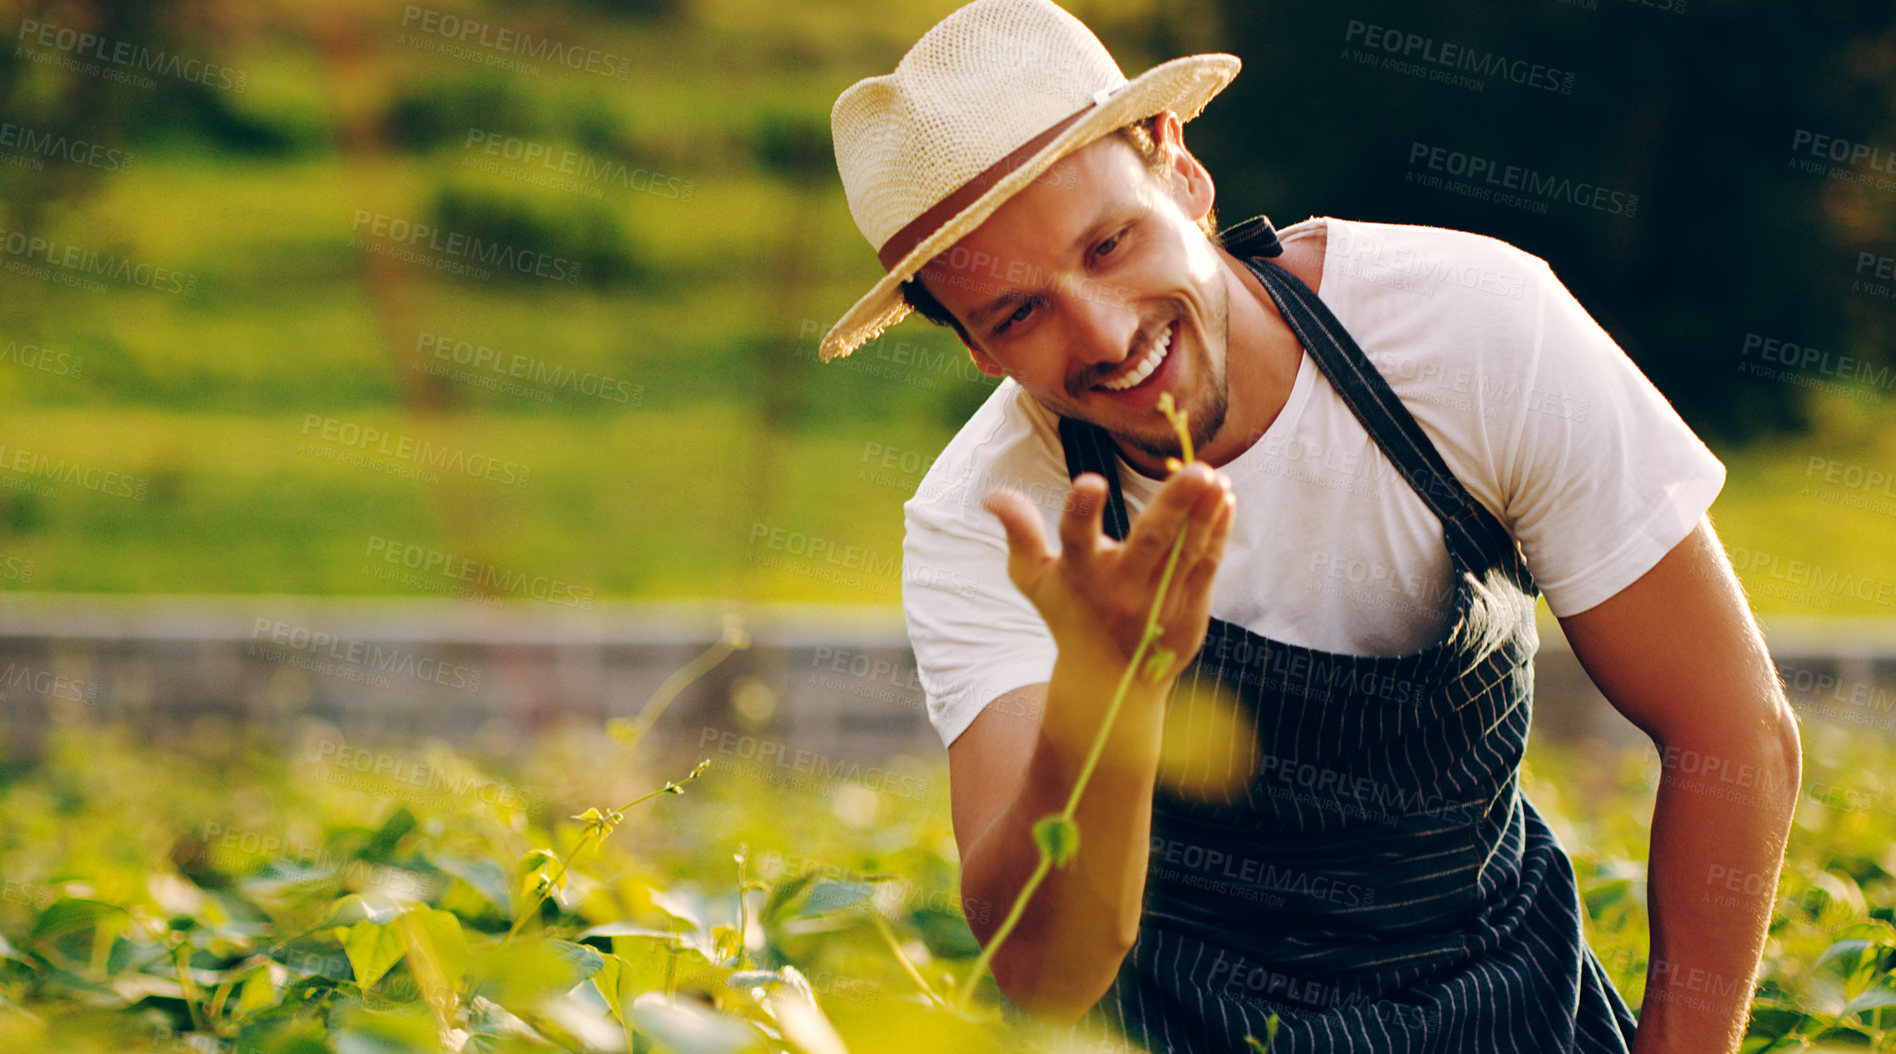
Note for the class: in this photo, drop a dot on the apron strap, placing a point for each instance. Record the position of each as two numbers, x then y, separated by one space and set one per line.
1469 527
1089 449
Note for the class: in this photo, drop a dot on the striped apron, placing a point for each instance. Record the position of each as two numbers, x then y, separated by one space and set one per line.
1379 882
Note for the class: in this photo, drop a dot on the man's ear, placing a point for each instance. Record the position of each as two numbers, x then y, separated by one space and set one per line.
1192 187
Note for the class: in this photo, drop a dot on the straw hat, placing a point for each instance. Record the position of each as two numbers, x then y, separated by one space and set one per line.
981 105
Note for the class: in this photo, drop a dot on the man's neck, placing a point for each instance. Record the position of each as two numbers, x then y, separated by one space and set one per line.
1262 355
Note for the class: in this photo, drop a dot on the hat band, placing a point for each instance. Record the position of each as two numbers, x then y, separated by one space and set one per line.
902 242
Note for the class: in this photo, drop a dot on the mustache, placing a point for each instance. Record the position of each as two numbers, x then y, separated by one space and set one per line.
1105 373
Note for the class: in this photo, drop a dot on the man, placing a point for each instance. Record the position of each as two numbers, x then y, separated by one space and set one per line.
1407 433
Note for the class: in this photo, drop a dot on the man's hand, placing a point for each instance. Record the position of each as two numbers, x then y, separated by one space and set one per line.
1096 595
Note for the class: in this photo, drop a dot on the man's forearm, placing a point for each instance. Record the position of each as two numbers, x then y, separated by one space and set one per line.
1718 837
1075 932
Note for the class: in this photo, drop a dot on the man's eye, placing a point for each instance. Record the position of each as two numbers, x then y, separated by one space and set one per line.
1019 314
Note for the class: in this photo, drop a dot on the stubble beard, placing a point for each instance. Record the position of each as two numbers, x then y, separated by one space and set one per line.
1206 407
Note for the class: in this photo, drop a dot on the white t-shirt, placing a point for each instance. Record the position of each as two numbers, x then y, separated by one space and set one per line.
1536 410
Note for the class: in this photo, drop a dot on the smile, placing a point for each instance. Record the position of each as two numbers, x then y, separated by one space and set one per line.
1145 367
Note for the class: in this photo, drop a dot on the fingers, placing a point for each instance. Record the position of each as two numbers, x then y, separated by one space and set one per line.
1212 505
1080 520
1026 539
1211 548
1151 539
1189 601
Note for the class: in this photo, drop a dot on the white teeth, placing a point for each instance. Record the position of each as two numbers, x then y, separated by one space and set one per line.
1146 365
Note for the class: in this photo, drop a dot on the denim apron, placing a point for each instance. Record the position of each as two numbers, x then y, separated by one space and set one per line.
1379 882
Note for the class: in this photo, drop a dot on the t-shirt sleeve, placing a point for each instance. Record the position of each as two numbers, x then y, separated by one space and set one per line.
974 634
1602 477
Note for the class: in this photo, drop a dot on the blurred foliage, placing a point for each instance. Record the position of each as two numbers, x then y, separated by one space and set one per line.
349 896
690 173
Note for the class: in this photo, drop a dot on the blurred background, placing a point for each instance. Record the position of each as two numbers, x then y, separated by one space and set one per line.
439 381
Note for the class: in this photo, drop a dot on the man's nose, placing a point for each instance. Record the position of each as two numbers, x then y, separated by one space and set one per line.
1100 331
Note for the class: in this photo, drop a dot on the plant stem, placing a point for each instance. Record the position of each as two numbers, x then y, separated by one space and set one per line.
888 935
1079 784
1152 631
734 639
565 862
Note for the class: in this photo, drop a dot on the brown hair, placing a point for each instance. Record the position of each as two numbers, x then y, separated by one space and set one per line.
1140 136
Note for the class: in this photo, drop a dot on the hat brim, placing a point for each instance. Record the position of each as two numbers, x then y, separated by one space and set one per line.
1183 85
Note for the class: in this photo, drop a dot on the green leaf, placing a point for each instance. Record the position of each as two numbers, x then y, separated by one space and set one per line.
522 973
372 949
727 941
71 913
685 1026
256 994
784 894
1058 837
393 831
536 870
360 907
485 876
1853 948
442 931
1880 996
1158 663
617 983
653 960
828 896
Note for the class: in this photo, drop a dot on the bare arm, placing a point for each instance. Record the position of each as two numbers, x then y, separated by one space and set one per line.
1019 759
1677 652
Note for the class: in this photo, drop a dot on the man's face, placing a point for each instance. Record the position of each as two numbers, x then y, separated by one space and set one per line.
1077 282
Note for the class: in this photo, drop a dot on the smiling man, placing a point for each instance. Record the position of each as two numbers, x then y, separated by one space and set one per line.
1407 435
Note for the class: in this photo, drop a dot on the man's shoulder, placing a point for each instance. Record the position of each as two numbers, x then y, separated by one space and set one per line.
1009 440
1440 264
